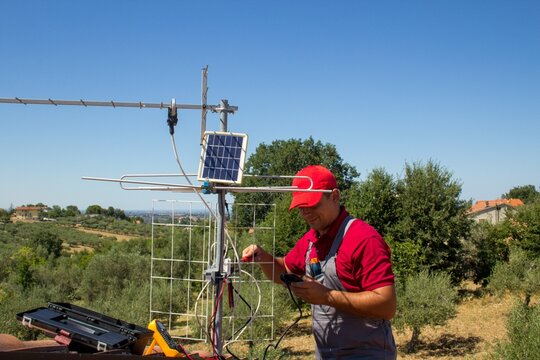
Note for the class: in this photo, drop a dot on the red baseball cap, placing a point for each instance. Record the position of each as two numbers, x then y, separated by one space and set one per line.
322 178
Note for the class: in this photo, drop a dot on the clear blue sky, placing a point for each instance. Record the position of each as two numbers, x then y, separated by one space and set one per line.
387 82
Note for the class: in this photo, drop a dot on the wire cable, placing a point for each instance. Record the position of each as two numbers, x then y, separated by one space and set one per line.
213 323
288 327
238 332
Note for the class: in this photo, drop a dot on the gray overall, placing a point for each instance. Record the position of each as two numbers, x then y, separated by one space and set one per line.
341 335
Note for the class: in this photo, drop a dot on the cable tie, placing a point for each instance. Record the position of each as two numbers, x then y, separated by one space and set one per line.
82 102
52 102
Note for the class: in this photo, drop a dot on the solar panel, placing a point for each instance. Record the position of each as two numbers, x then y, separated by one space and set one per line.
222 157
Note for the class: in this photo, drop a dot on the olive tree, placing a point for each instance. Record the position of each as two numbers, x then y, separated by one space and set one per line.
424 299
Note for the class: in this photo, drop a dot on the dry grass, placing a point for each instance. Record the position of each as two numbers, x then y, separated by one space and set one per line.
118 237
480 322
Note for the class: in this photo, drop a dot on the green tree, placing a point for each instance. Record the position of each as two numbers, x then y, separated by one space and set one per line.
72 211
482 250
524 225
49 241
23 263
4 216
119 214
424 300
431 214
526 193
54 212
521 228
94 210
110 211
408 258
374 200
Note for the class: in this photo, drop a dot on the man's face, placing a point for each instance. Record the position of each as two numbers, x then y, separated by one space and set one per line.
321 216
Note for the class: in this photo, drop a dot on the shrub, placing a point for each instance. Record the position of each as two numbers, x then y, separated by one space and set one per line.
424 299
482 250
521 275
523 327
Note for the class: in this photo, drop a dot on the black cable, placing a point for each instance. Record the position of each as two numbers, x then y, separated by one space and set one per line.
288 327
243 326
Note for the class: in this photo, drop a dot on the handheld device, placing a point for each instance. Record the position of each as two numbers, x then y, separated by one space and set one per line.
164 340
288 278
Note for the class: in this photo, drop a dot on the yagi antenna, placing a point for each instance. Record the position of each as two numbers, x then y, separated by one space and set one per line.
222 108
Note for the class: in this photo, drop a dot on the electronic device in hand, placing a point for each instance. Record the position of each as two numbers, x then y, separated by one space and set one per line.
288 278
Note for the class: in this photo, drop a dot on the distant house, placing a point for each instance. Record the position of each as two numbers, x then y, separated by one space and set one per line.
492 211
29 212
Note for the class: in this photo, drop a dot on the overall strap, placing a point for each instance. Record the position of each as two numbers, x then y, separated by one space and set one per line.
340 235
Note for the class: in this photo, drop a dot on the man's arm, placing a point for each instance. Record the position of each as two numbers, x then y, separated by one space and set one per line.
271 266
378 303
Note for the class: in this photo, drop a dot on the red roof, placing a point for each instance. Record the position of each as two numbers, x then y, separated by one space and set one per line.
484 204
28 208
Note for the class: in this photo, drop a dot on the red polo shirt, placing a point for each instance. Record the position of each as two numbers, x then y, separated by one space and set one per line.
362 261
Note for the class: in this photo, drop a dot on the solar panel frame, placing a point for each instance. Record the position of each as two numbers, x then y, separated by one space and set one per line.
223 156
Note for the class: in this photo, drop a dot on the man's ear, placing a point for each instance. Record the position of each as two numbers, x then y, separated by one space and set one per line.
335 195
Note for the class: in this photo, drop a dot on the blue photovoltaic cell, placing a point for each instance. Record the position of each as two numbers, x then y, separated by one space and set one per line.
222 157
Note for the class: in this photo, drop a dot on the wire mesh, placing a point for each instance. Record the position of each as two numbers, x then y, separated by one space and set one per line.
182 296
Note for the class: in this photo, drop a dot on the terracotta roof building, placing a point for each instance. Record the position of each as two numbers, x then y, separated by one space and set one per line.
492 211
29 212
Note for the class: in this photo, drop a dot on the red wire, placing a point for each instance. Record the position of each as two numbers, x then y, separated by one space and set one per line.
213 335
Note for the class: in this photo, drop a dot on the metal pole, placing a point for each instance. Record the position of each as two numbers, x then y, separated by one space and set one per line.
224 109
219 283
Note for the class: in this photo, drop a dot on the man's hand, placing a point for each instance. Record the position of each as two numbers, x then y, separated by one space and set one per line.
255 253
311 291
272 267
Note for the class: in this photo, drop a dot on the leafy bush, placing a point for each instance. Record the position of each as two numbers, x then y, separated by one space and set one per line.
424 299
110 273
407 258
520 275
482 250
523 327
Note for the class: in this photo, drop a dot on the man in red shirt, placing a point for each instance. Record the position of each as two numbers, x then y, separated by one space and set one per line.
346 271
